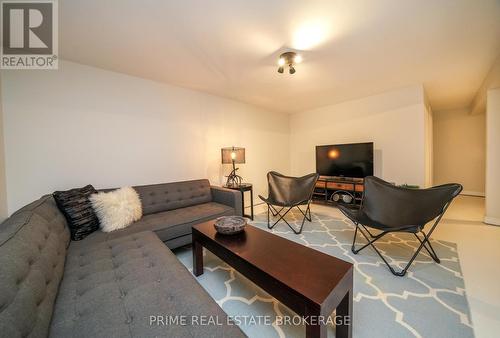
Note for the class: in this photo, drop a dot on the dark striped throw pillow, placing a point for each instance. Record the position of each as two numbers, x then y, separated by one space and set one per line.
77 209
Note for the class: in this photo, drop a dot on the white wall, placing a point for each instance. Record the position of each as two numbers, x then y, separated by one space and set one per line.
460 149
493 157
81 125
429 144
394 121
3 186
492 80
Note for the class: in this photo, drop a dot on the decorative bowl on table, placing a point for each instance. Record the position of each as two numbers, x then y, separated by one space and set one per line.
230 225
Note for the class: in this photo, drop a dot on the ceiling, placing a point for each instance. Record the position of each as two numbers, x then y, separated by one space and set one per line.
350 49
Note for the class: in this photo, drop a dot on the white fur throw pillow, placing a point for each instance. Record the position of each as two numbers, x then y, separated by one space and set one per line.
117 209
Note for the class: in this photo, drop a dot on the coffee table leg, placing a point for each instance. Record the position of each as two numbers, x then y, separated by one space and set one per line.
197 258
315 330
344 315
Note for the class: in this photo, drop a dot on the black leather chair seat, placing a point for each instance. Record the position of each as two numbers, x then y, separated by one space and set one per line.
286 193
389 208
362 218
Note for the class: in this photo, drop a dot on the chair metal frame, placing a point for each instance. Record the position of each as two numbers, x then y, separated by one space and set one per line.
282 207
416 228
423 242
275 212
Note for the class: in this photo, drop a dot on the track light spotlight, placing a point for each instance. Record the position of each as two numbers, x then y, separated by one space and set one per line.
288 59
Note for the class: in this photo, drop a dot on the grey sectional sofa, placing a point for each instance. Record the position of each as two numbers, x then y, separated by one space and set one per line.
109 284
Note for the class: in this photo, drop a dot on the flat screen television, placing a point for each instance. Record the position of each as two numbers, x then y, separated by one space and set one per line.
345 160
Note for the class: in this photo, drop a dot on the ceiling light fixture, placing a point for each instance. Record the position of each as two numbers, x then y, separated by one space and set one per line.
289 59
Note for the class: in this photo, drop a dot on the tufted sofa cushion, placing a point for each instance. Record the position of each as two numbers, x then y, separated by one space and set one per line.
33 245
168 196
112 287
171 224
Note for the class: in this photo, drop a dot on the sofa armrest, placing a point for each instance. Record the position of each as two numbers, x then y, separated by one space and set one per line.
228 197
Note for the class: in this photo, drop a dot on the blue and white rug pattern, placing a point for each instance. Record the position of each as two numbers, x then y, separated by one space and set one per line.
430 301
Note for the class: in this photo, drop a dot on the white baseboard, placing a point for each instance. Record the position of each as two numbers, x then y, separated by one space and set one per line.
491 220
472 193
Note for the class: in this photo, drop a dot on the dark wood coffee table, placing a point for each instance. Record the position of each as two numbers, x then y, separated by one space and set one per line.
309 282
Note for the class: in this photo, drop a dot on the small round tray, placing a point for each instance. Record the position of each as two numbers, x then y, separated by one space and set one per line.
230 225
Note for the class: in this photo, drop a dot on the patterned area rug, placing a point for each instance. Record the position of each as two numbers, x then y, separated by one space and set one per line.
430 301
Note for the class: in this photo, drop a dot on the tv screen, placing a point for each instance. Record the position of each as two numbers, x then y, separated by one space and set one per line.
347 160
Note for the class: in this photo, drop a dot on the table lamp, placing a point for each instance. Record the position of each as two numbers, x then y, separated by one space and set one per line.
232 155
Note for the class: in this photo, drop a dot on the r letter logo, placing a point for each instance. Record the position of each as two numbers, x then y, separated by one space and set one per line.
29 34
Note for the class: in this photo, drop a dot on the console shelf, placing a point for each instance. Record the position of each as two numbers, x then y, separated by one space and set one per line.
333 191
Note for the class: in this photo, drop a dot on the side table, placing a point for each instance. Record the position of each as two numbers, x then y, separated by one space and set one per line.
242 188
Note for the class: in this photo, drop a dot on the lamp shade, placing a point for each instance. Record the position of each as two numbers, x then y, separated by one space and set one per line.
233 153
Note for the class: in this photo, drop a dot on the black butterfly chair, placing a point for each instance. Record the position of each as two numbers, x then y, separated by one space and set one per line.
289 192
389 208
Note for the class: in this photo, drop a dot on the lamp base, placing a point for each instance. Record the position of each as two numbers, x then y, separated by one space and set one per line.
233 180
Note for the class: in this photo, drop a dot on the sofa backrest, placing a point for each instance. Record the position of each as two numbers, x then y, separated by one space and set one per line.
168 196
33 243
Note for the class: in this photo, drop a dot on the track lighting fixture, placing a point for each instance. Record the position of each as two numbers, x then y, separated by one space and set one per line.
289 59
